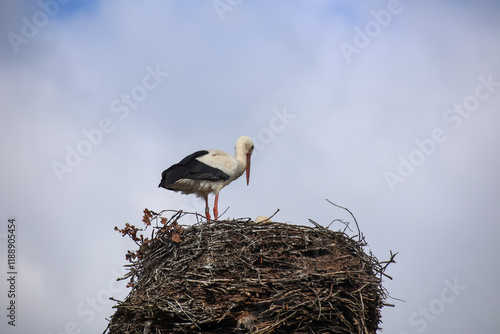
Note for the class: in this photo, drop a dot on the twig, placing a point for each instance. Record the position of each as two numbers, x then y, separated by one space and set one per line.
222 214
391 260
315 224
275 212
147 326
342 222
360 235
362 312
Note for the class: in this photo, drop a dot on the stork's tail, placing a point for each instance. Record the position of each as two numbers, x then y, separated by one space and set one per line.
163 180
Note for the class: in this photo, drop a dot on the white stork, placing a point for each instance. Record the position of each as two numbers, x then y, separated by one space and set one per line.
208 171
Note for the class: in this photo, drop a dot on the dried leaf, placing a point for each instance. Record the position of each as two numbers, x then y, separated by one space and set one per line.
176 237
147 217
177 227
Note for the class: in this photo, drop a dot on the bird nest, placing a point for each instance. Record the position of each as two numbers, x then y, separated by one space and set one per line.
237 276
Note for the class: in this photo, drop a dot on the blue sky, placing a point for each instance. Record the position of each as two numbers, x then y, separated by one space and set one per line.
403 132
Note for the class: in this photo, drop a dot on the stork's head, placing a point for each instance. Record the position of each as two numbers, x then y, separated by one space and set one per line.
244 145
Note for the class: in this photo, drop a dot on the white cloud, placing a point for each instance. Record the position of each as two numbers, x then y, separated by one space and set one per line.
352 122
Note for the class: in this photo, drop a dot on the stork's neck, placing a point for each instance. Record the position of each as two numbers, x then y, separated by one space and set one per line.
241 156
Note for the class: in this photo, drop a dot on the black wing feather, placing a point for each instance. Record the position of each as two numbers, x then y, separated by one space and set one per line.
191 168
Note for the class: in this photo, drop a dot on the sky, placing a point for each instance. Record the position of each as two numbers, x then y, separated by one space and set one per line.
388 108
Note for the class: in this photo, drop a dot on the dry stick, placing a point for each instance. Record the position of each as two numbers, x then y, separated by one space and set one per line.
362 312
360 235
227 312
268 220
388 262
315 224
275 212
342 222
147 326
222 214
391 260
319 304
276 324
175 216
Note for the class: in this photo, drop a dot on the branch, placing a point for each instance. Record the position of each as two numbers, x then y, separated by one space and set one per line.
360 235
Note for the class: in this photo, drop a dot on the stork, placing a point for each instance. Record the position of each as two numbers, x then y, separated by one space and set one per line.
208 171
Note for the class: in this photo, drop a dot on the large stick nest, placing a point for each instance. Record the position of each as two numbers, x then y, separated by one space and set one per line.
236 276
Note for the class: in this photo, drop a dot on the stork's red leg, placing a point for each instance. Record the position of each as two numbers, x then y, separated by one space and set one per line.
207 209
216 206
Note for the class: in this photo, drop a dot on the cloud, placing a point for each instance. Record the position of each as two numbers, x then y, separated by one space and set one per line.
352 122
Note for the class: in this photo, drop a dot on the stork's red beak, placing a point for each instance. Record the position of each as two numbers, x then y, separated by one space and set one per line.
248 168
